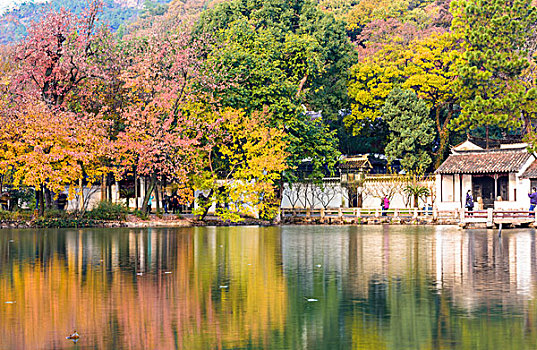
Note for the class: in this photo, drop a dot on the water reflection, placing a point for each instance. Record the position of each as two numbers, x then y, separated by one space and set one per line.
273 288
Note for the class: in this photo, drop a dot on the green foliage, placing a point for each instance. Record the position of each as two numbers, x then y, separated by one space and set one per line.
495 37
153 8
411 130
63 222
416 191
284 55
141 215
15 215
108 211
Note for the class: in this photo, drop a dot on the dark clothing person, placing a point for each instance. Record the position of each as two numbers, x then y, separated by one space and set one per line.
165 203
174 204
533 200
469 201
385 205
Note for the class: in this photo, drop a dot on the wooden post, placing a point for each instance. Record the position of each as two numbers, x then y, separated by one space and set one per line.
339 213
308 212
435 213
415 216
490 217
461 215
358 212
322 214
396 213
377 213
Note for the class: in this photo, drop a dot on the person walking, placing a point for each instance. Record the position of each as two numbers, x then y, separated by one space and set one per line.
533 198
469 201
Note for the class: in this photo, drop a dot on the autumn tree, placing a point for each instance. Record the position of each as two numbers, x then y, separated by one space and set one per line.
164 83
243 167
60 54
426 66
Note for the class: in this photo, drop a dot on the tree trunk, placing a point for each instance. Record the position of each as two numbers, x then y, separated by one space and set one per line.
104 194
443 135
41 202
206 207
81 195
152 184
136 194
48 198
157 197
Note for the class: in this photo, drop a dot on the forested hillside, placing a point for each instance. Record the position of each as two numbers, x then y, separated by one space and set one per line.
14 23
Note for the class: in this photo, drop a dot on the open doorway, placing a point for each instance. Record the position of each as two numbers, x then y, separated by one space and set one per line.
483 186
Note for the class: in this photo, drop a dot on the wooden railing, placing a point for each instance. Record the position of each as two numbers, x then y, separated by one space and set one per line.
493 217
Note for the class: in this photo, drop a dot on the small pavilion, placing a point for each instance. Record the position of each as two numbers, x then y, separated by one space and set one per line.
499 178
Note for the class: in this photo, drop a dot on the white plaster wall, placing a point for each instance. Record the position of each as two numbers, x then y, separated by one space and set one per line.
466 185
524 187
398 201
448 205
447 188
512 187
341 197
332 192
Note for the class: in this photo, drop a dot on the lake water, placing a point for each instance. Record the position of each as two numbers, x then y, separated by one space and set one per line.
290 287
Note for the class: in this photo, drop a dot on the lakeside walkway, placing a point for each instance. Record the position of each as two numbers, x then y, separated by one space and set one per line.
464 218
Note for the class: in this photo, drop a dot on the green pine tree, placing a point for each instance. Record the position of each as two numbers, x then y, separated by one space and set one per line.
491 85
411 130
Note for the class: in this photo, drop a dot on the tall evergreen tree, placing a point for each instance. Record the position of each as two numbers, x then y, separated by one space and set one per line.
411 130
495 36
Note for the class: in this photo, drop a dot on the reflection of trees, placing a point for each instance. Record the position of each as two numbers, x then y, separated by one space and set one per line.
90 286
377 288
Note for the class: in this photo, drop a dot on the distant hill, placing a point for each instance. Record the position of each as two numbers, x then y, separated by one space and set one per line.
14 23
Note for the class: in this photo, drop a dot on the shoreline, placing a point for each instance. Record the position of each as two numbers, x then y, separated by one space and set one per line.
174 222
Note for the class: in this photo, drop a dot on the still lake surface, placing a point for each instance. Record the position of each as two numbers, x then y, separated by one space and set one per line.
290 287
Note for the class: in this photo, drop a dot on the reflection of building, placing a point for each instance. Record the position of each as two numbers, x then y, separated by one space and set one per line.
477 267
474 268
496 177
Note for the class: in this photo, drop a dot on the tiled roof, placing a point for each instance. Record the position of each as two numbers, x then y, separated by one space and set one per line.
355 164
484 162
531 172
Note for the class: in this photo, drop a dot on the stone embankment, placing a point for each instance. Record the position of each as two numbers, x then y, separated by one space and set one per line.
367 221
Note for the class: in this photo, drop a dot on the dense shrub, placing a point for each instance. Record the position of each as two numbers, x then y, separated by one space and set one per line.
63 223
108 211
15 215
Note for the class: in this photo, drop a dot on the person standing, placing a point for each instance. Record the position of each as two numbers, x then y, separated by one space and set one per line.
469 201
165 202
149 203
385 205
533 198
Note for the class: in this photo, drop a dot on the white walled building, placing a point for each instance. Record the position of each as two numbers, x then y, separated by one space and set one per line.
498 178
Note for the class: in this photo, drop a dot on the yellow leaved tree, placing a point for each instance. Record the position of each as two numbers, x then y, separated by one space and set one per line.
242 167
